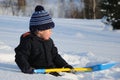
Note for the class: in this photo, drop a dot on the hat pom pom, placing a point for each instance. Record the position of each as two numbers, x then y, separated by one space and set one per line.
39 8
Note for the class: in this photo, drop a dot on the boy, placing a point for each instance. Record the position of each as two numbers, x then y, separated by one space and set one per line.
36 49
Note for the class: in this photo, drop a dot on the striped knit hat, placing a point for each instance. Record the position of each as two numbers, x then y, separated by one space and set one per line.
40 20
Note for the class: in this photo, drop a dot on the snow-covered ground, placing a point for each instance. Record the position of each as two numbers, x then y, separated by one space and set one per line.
80 42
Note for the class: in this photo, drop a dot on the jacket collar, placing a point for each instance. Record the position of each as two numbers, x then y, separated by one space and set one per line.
38 38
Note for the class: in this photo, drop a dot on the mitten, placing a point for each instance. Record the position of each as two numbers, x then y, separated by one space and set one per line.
68 66
55 74
29 71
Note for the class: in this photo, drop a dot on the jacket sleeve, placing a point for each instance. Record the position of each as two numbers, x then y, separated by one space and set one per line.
57 59
22 54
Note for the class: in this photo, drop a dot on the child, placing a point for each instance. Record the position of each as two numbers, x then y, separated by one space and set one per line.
36 49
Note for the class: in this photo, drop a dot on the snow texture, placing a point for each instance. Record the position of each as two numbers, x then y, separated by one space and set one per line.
81 43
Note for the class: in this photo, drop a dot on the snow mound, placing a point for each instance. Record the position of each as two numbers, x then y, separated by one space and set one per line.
4 46
79 59
6 53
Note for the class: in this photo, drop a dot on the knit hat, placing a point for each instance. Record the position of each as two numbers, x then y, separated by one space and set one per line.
40 20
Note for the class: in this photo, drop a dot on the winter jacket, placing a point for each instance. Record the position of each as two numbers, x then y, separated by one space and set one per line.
33 52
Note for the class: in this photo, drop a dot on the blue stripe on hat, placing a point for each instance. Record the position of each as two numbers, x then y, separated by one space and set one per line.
40 18
41 22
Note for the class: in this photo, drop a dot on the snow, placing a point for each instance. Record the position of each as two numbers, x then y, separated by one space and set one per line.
81 42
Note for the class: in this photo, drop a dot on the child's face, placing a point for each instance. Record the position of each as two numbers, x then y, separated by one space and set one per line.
45 34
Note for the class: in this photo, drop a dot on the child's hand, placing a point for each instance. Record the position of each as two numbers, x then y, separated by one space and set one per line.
30 71
55 74
68 66
72 69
